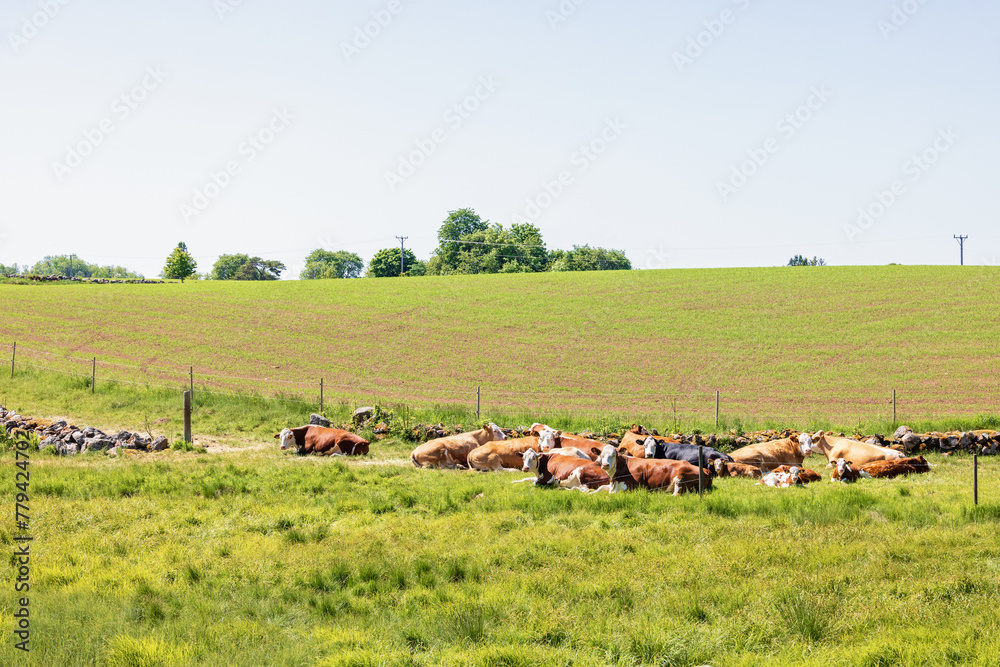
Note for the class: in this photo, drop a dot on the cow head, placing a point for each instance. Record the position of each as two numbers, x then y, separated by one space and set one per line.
805 444
547 439
287 439
843 467
720 466
530 461
793 476
608 460
537 428
496 431
650 446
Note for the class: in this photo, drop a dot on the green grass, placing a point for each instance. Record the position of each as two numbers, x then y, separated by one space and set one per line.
789 342
268 558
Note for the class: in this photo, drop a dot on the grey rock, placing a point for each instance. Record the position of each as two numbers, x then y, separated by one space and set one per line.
319 420
51 440
901 432
362 415
77 437
89 432
99 443
67 449
948 442
121 435
159 444
966 439
141 441
911 441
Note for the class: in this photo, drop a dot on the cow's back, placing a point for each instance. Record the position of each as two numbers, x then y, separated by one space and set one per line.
769 455
502 453
449 451
857 452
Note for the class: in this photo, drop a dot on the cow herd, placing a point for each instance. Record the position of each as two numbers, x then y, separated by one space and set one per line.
639 459
644 460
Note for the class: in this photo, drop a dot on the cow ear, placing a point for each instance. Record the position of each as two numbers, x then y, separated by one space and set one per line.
595 451
277 435
622 451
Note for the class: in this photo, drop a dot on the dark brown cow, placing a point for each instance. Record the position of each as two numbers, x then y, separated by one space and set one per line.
629 472
313 439
567 471
889 469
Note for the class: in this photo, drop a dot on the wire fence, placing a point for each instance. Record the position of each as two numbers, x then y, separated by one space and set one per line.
620 405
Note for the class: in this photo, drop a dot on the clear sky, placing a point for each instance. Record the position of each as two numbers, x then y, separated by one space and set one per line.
690 134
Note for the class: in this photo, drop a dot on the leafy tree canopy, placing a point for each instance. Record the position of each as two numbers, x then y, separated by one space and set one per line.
326 264
468 244
585 258
799 260
73 266
385 264
180 264
244 267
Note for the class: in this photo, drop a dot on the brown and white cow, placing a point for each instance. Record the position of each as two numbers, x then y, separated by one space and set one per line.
629 472
897 468
502 454
857 452
806 475
453 451
769 455
634 441
312 439
724 468
846 472
557 442
782 479
567 471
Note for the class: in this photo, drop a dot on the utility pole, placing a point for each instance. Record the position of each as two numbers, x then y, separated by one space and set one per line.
401 239
71 265
961 249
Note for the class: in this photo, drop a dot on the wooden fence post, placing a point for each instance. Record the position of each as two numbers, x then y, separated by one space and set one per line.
93 375
477 403
13 355
187 416
321 395
893 407
191 376
716 408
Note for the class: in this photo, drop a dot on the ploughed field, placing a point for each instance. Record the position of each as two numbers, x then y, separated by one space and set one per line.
790 343
264 557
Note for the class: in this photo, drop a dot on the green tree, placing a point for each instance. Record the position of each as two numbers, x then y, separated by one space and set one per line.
227 266
385 264
74 266
244 267
585 258
11 270
326 264
180 264
460 225
799 260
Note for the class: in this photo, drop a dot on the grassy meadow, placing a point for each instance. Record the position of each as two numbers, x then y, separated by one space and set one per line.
804 343
263 557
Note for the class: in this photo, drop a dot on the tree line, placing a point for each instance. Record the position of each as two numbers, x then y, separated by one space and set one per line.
466 244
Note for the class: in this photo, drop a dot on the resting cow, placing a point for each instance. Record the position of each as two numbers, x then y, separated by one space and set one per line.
567 471
769 455
633 441
629 472
659 448
557 442
314 439
890 469
805 474
726 469
846 472
504 454
782 479
453 451
857 452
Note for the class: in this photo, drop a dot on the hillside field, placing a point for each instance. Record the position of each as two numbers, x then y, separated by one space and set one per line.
788 343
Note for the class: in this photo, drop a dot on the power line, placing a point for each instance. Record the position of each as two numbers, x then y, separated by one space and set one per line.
401 239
